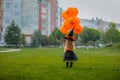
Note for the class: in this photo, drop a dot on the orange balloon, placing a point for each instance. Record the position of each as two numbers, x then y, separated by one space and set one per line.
70 12
78 29
71 21
74 21
76 11
67 24
63 30
64 15
78 20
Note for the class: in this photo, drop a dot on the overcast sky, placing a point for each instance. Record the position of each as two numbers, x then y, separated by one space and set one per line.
108 10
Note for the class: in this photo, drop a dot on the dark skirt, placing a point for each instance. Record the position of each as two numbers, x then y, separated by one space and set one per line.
70 56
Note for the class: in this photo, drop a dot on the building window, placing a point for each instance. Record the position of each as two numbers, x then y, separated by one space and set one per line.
7 21
0 28
16 13
0 36
15 6
7 5
43 10
43 17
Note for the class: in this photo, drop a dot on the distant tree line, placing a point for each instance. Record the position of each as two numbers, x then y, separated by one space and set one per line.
89 36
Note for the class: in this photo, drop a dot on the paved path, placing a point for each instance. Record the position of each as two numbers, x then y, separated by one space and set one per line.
10 50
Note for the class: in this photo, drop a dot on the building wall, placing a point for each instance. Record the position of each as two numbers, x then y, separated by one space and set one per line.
0 14
53 13
12 10
49 16
30 19
44 17
48 19
0 20
59 17
29 16
98 24
28 39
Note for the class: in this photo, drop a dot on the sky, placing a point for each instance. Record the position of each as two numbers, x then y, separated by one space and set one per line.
108 10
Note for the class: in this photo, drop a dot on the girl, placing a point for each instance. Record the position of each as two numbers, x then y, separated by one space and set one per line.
69 55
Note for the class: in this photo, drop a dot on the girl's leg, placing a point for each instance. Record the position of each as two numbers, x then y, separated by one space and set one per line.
67 64
71 64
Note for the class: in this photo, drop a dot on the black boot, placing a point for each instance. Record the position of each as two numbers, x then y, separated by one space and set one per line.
67 63
71 63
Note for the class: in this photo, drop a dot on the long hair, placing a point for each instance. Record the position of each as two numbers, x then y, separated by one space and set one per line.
69 45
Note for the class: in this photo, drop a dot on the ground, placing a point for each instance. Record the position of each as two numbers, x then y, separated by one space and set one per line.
47 64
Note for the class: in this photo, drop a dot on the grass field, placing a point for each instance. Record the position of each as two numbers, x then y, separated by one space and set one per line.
47 64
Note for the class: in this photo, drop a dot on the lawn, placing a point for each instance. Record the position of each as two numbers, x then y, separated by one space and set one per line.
47 64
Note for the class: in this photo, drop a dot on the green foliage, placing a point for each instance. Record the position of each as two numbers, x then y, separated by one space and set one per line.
89 34
55 37
38 39
51 39
116 46
47 64
113 46
12 34
22 41
44 40
112 34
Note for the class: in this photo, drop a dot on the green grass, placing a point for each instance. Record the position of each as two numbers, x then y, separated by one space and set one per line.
3 49
47 64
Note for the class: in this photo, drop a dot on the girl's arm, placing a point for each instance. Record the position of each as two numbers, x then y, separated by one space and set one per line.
65 48
73 45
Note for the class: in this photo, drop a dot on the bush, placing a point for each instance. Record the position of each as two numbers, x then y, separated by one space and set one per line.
115 46
109 45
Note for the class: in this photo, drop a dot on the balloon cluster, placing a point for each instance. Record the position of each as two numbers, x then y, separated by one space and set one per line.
71 21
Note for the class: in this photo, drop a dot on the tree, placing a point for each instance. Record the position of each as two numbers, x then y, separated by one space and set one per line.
22 40
44 40
51 39
112 34
55 37
12 35
38 39
89 34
